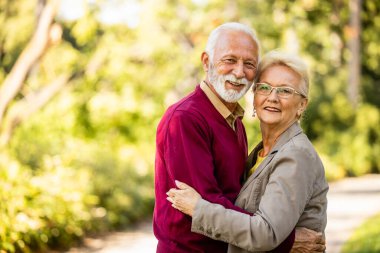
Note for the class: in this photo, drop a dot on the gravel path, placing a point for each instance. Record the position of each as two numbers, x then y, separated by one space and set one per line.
351 201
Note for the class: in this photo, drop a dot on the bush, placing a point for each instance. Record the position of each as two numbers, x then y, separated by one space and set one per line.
60 187
47 209
355 148
366 239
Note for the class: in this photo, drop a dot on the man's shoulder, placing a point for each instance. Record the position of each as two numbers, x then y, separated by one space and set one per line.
194 103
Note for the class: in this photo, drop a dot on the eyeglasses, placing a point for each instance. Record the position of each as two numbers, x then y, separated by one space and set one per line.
283 91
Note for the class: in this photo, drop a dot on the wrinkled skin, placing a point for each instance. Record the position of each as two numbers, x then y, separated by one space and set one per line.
308 241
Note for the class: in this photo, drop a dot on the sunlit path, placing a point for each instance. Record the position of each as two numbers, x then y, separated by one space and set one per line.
351 201
140 239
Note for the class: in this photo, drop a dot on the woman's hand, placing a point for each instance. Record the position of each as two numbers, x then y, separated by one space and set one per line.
184 198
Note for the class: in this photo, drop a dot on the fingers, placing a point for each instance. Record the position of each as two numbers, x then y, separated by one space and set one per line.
321 239
177 203
321 248
174 195
317 237
307 235
172 192
172 201
181 185
318 248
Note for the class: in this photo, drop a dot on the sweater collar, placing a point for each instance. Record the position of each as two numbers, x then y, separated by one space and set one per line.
219 106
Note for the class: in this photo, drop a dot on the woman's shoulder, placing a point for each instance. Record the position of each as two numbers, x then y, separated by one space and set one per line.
301 150
299 143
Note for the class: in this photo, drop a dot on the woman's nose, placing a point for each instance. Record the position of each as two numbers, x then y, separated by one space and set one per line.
273 94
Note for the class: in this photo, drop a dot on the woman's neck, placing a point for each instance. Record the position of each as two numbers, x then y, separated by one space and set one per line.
270 136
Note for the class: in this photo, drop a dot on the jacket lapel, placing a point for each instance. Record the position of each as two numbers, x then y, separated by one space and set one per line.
292 131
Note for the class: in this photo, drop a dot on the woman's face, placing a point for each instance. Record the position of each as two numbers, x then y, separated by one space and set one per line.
274 111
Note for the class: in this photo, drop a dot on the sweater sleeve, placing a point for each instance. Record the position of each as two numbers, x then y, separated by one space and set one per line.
189 158
286 194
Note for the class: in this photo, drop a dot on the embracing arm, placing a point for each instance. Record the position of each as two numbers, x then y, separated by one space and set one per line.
286 194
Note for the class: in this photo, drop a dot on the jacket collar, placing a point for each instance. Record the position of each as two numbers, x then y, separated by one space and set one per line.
294 130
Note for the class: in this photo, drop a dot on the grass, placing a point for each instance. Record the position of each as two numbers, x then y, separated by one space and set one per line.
366 238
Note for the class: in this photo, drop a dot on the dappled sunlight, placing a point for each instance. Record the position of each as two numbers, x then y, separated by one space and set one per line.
83 86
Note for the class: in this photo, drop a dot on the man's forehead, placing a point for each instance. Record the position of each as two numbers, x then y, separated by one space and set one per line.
234 44
247 54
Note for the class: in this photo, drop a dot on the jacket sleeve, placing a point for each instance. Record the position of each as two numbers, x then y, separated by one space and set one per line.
189 158
288 190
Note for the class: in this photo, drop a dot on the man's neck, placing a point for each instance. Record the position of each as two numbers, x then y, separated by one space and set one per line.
230 106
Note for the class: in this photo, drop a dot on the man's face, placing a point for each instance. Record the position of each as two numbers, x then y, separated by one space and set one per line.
234 65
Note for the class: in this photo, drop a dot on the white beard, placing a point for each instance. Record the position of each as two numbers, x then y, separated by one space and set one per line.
230 95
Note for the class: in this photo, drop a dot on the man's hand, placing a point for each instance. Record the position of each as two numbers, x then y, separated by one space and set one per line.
308 241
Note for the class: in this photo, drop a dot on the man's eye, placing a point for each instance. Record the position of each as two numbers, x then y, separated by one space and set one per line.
250 65
229 60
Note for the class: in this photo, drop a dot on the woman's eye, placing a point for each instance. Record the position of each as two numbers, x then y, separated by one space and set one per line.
286 90
264 87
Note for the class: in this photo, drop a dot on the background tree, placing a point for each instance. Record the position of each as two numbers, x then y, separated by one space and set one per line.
353 35
45 35
82 160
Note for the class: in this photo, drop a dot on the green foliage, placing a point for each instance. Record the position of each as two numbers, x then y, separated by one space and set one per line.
85 162
12 39
366 238
72 186
355 147
37 210
371 53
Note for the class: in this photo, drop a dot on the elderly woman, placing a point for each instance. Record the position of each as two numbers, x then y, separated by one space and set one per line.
285 183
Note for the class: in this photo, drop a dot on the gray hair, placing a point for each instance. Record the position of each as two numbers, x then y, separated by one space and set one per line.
231 26
291 61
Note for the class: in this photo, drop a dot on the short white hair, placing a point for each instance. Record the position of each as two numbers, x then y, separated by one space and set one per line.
292 61
230 26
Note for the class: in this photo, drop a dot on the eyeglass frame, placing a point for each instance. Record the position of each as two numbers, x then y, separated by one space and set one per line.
294 91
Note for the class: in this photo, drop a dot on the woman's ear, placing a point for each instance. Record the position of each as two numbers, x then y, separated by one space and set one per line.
303 106
205 61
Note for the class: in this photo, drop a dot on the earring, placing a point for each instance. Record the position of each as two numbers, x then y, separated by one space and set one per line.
254 112
299 114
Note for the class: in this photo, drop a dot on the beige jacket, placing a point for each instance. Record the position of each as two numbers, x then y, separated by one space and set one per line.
288 189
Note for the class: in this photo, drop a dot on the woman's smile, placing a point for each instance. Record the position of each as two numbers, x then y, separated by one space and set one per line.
271 109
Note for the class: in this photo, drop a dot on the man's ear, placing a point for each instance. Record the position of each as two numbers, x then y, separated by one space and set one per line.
205 61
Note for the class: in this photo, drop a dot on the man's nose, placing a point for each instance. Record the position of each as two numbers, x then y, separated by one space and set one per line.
239 70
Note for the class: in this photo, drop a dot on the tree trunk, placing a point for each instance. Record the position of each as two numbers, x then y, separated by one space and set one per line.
29 105
30 55
354 47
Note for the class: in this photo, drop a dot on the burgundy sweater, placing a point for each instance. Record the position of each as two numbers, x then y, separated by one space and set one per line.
195 145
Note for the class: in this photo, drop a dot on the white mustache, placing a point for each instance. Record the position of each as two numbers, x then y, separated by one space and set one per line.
232 78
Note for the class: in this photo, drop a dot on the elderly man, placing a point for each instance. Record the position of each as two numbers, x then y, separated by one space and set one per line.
201 141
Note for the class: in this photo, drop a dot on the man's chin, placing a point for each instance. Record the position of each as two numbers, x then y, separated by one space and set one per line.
231 98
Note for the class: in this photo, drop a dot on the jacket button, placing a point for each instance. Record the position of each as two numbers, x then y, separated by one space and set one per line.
217 235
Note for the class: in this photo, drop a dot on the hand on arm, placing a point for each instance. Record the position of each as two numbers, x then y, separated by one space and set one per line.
308 241
184 198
